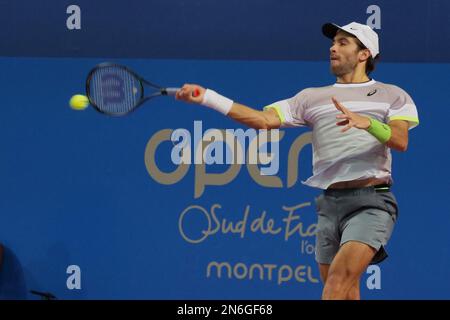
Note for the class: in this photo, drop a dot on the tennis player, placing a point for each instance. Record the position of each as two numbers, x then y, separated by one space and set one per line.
355 123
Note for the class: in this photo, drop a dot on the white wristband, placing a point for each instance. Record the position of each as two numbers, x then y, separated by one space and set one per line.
217 102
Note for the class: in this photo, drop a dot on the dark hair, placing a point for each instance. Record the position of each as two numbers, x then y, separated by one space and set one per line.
371 62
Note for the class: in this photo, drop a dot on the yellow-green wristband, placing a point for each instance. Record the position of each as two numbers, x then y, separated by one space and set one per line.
379 130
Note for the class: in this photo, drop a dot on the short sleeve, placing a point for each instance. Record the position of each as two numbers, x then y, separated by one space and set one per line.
291 111
403 108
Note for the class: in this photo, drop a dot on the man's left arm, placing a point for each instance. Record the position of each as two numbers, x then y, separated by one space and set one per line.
394 134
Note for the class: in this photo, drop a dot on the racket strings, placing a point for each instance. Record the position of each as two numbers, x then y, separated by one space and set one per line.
114 90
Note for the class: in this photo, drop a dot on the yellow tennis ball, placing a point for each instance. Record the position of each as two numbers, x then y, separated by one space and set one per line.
79 102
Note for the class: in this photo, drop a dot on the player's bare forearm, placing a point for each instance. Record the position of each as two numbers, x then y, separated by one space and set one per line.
254 118
399 131
399 135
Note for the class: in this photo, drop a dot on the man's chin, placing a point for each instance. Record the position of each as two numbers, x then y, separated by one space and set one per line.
338 71
335 71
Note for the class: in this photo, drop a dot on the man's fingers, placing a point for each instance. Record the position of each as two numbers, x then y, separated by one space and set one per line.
179 94
184 92
349 125
189 93
342 123
339 106
346 128
336 103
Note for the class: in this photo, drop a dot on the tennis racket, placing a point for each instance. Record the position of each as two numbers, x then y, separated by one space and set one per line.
116 90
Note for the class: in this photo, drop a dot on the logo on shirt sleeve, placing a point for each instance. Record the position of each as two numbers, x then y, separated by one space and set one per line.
371 93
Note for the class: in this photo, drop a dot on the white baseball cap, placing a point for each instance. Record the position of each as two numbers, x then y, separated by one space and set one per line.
364 33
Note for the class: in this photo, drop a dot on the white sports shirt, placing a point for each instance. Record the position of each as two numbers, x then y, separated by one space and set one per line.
354 154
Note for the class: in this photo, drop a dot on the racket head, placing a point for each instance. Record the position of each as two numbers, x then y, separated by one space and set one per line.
114 89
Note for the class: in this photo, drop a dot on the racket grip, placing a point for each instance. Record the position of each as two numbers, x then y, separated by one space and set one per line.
171 91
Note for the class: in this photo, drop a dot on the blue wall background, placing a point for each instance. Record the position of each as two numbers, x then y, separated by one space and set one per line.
75 189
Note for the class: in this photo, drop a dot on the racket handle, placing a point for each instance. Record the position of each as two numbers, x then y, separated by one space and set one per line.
170 91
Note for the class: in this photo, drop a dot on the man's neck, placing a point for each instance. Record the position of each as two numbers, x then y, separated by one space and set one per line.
353 78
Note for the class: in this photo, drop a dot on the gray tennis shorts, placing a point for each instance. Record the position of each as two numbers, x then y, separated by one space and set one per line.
365 214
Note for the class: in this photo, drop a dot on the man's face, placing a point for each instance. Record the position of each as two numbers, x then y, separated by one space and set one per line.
344 54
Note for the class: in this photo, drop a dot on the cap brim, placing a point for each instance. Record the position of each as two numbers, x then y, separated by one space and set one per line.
330 29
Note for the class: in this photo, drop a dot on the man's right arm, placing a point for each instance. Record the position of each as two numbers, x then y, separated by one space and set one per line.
267 119
256 119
